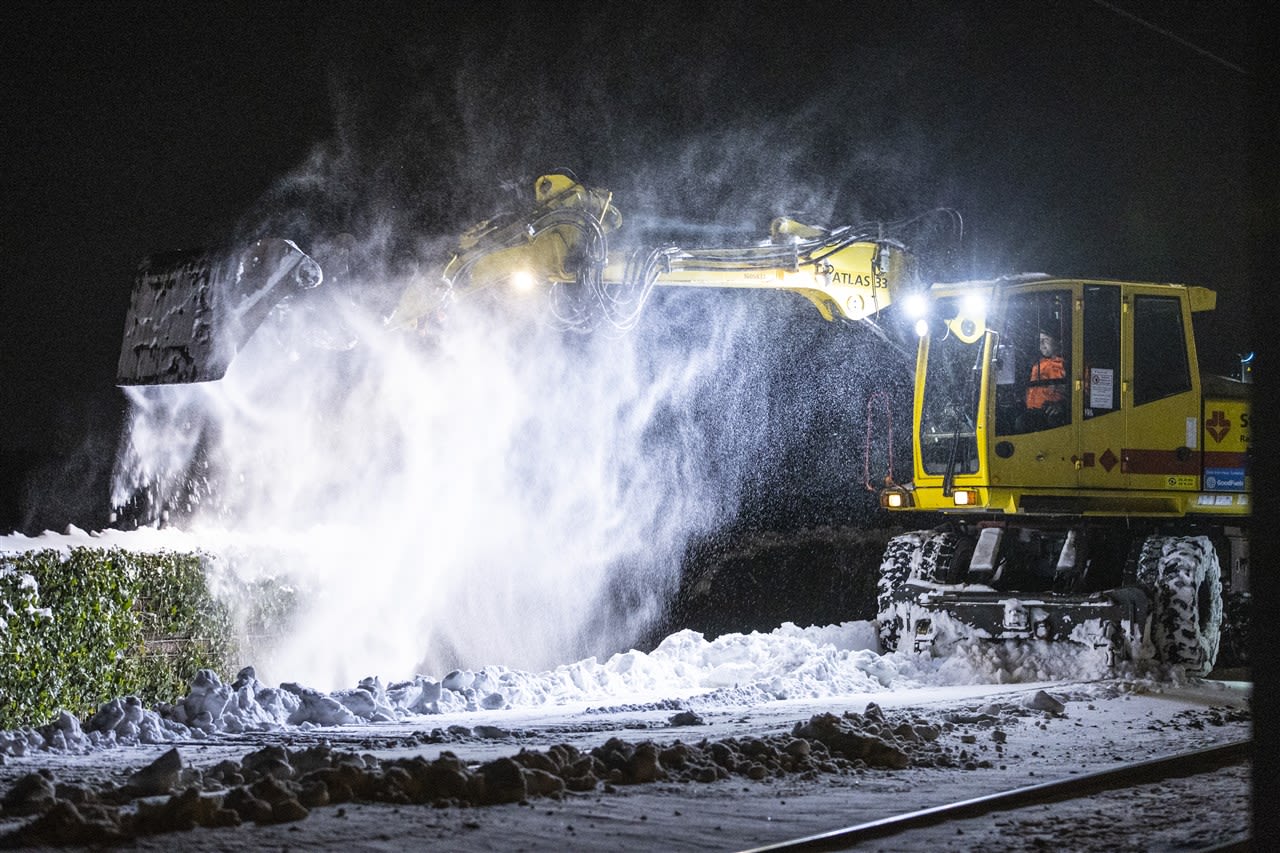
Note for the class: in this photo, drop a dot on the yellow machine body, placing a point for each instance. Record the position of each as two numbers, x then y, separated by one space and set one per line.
1139 432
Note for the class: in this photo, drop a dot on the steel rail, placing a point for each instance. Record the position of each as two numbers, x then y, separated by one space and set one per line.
1074 787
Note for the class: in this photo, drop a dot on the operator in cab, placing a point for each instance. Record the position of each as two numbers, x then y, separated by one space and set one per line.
1047 386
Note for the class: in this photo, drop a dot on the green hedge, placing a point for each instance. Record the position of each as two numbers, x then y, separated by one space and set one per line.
84 626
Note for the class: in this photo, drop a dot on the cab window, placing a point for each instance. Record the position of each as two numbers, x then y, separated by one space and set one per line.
1033 363
1160 367
1101 350
952 393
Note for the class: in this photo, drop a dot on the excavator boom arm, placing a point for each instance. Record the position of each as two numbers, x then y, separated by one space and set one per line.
563 240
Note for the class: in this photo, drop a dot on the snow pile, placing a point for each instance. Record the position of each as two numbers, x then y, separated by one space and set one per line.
145 540
685 670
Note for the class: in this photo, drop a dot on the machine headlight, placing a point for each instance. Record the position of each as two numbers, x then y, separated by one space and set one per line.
974 304
894 499
916 305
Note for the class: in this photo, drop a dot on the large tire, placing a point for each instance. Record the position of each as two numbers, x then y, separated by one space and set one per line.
945 558
1184 580
901 560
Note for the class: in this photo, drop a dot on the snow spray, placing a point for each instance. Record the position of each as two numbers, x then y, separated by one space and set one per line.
504 492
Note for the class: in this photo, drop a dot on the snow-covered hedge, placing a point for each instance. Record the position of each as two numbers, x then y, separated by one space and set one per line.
80 626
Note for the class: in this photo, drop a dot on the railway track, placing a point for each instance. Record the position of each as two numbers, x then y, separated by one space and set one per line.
1177 765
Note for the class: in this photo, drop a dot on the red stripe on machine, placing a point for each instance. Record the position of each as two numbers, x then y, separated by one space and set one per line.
1158 462
1223 459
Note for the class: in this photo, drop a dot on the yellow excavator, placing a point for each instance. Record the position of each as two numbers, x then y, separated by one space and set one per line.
1093 482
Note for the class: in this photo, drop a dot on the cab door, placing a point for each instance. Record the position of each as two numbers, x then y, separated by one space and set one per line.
1037 419
1160 391
1103 427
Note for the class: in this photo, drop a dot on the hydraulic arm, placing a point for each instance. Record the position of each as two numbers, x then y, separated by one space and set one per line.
847 273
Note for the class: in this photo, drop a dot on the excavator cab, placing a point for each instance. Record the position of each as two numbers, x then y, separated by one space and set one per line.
1038 395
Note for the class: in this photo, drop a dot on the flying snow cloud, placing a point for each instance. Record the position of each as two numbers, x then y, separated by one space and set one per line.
499 491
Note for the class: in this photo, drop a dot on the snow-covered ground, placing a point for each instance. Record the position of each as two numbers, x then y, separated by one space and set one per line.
998 737
986 718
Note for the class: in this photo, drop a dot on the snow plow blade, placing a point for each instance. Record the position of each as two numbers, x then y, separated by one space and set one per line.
191 311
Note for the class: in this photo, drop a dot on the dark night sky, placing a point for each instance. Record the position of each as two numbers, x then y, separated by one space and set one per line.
1072 139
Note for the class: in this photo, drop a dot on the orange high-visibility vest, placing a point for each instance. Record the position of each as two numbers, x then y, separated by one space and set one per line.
1047 370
